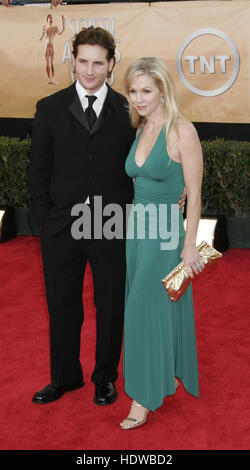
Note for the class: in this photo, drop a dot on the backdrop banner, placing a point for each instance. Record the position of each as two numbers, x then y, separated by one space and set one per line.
204 44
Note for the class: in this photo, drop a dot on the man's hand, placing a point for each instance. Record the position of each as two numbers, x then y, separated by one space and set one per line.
54 3
182 200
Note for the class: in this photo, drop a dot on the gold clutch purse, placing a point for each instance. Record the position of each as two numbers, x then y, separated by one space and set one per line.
178 280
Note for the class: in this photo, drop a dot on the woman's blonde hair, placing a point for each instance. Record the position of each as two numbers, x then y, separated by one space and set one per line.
156 69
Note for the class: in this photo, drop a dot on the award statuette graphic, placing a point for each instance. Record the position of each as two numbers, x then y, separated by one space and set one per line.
49 31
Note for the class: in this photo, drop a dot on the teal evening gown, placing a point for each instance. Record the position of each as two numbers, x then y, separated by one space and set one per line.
159 335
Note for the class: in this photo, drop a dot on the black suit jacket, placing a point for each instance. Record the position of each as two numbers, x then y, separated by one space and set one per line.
69 162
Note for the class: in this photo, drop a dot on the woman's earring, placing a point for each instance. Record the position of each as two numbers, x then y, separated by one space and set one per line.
162 100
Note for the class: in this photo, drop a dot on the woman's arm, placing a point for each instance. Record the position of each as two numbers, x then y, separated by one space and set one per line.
192 164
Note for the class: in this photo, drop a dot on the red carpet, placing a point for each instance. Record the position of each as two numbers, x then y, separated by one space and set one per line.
220 419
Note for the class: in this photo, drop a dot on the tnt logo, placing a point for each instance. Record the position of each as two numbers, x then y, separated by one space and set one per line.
208 62
204 64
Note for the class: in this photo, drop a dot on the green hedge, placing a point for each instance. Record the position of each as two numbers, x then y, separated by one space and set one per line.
226 181
14 171
225 189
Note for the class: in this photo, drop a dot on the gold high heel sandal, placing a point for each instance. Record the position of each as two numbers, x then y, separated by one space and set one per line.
132 423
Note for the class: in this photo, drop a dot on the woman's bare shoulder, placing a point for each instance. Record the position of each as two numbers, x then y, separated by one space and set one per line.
185 128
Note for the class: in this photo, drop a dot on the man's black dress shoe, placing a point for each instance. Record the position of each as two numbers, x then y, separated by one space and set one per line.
105 394
53 392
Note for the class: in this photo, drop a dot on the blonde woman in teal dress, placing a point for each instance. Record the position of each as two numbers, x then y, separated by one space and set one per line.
159 335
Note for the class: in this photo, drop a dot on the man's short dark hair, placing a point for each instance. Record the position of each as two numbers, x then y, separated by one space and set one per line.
95 36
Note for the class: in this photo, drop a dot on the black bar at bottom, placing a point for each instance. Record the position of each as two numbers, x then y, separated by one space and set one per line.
113 458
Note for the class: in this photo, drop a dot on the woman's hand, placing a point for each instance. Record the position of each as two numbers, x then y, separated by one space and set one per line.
191 258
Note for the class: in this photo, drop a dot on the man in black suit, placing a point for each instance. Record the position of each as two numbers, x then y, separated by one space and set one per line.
80 141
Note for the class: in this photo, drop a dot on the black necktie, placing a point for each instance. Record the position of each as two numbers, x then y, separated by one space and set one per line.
90 113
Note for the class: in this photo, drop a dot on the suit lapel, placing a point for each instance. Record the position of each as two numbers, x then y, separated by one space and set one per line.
76 109
107 110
